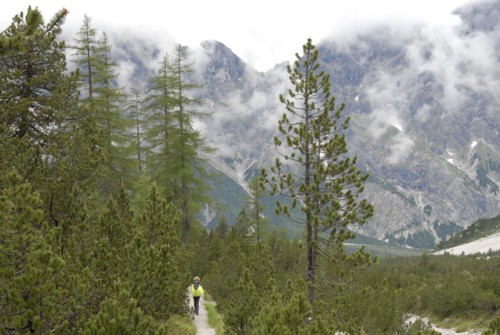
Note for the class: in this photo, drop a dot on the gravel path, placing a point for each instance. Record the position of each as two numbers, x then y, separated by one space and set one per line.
201 320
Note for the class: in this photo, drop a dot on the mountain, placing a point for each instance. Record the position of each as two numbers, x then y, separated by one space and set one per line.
424 110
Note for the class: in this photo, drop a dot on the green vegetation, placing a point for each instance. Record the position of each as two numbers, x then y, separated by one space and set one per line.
454 291
90 244
214 319
180 325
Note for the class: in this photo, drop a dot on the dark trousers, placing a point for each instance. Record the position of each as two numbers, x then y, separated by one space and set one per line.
196 304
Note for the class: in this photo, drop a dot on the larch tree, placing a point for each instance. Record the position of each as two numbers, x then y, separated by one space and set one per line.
136 113
176 150
317 176
85 57
257 218
105 103
110 104
159 104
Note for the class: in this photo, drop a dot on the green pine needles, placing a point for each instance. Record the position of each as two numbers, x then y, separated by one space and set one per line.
314 172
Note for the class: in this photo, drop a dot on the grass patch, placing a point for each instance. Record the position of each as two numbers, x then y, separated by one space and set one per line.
180 325
214 318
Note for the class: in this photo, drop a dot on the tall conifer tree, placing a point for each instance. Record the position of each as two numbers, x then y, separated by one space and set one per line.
135 113
106 103
110 103
257 218
328 184
175 155
85 56
39 113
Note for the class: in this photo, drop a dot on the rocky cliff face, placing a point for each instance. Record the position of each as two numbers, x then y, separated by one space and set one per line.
425 112
424 104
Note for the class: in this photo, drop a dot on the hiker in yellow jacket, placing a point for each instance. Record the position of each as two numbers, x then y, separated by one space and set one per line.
197 291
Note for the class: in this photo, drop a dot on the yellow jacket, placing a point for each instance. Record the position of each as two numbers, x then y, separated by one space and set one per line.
197 292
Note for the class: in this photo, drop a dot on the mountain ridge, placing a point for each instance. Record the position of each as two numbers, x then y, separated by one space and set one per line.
426 210
424 121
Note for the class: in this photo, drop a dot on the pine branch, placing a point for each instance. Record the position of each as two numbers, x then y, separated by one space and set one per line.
34 20
56 22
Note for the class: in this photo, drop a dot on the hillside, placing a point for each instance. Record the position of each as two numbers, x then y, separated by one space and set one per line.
483 245
479 230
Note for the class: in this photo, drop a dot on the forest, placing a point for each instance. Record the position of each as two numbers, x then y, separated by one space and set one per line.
101 189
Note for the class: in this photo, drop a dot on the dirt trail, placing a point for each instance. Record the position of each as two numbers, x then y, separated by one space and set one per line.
201 320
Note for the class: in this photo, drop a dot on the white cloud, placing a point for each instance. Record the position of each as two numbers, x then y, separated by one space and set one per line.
263 33
423 113
400 149
451 62
457 62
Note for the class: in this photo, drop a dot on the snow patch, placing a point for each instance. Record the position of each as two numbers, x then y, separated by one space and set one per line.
398 126
473 144
483 245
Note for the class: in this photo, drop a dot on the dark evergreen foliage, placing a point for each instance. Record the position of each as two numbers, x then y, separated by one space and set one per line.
73 263
315 172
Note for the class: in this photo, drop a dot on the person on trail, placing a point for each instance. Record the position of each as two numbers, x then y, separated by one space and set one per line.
197 291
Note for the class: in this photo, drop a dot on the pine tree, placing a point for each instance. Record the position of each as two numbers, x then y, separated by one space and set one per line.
241 230
30 269
105 245
33 85
242 305
34 20
40 124
175 155
120 315
222 228
286 312
160 286
328 183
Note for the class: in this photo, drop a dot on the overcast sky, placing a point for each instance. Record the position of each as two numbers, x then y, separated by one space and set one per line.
261 32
